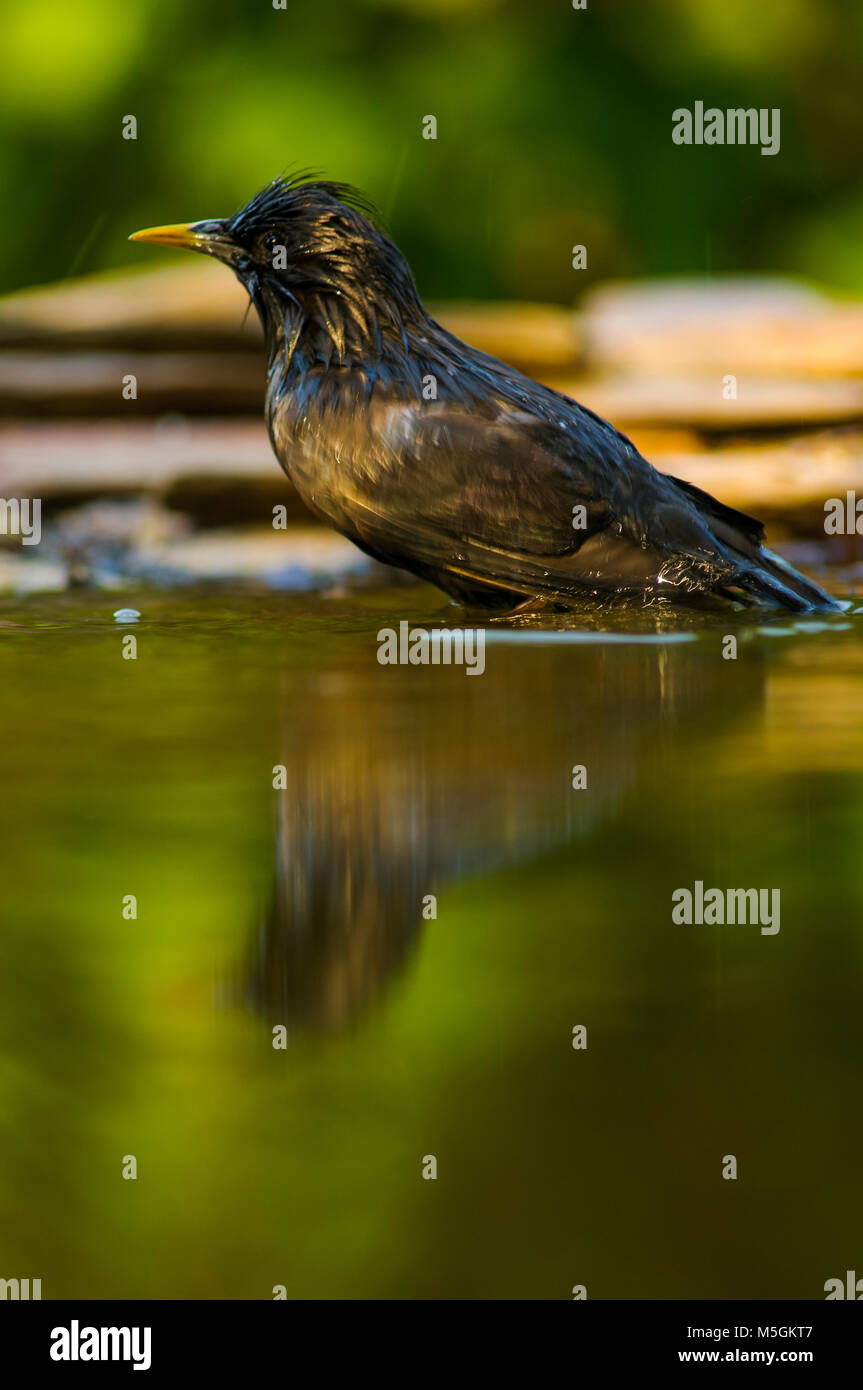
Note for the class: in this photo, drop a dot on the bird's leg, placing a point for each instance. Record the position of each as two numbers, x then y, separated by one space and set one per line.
533 605
528 608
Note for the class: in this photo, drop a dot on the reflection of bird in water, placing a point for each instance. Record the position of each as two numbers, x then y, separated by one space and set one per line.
330 940
397 787
437 458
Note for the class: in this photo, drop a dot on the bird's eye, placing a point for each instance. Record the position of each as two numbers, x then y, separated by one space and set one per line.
271 243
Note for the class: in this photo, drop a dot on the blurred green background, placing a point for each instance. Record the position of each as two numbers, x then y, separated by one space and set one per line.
554 128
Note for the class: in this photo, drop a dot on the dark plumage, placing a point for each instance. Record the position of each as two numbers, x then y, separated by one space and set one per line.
440 459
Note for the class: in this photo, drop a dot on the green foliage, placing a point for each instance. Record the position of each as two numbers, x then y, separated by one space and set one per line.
554 128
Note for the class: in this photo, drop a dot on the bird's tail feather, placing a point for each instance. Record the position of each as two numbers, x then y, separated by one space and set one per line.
775 581
760 573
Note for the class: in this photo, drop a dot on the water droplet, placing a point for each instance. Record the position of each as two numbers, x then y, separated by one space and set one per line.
126 615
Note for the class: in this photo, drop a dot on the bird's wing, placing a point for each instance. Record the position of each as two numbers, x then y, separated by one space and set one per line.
508 498
504 477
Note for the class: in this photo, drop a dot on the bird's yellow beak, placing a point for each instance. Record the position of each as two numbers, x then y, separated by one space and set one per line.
175 234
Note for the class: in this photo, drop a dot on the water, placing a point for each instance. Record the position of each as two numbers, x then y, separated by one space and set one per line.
410 1037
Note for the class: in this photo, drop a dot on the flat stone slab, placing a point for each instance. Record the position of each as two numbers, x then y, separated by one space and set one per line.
697 401
784 479
198 304
300 558
738 325
47 382
46 459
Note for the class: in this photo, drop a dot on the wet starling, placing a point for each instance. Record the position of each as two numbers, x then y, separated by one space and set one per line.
440 459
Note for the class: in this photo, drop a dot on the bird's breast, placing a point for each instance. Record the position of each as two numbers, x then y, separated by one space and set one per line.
319 456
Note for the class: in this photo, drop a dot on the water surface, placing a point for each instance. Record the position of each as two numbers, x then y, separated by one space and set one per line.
410 1036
